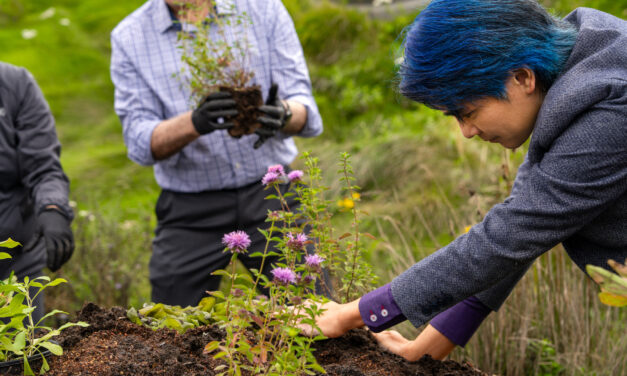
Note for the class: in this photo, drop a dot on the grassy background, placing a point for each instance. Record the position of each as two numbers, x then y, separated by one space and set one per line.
423 183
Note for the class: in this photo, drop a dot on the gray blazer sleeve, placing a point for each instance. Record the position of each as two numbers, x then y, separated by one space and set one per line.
39 148
495 296
580 176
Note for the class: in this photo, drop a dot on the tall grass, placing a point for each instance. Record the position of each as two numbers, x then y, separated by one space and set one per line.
553 322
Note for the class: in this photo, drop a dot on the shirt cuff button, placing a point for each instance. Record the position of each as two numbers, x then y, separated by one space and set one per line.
373 317
384 312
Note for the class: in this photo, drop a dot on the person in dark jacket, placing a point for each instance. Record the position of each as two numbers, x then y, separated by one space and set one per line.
508 71
34 208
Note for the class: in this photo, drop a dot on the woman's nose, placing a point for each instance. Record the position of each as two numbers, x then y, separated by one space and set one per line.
468 130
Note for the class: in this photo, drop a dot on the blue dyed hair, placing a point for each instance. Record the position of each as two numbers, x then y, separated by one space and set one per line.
458 51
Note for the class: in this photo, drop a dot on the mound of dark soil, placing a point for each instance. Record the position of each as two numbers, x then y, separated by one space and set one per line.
112 345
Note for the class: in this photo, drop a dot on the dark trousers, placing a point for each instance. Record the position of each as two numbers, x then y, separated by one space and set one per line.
188 240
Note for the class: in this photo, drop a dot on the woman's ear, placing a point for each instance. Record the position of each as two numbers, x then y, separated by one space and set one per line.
526 78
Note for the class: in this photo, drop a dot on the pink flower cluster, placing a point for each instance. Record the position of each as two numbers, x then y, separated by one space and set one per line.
296 243
313 261
284 276
236 241
276 174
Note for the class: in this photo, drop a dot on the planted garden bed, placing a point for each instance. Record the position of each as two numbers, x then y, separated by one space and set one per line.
113 345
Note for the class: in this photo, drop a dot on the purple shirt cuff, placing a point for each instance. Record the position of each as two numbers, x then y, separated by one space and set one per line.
379 310
460 322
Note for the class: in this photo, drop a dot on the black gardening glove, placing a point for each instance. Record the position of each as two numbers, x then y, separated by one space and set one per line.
55 228
214 112
275 116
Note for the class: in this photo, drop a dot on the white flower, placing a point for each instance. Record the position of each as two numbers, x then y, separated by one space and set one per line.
83 213
64 22
72 204
47 14
29 33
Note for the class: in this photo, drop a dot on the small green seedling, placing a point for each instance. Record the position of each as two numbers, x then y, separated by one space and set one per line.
20 335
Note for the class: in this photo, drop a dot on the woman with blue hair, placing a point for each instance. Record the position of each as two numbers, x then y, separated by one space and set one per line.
509 71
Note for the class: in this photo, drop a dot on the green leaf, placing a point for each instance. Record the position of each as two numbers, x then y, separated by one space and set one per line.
51 313
15 307
153 311
173 324
20 341
57 281
27 369
9 243
68 324
133 315
4 255
222 273
613 300
292 332
211 347
54 348
207 303
44 365
47 336
316 367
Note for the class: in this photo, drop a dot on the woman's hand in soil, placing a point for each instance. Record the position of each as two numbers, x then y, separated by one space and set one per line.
429 341
336 319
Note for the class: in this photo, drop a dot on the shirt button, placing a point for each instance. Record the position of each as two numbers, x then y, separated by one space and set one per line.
373 317
237 165
384 312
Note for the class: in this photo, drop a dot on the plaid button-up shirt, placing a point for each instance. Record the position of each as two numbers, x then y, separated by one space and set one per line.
145 61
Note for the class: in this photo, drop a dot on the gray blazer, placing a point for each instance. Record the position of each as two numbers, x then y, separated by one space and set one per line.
572 188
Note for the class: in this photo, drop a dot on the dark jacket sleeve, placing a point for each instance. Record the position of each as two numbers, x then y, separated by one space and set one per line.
39 148
580 176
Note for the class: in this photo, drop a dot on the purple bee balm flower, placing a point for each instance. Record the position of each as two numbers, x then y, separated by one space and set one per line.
269 178
277 169
308 279
313 261
296 175
274 215
236 241
284 276
297 242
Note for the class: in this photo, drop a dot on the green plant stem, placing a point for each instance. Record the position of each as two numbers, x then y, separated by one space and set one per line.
228 301
355 249
263 260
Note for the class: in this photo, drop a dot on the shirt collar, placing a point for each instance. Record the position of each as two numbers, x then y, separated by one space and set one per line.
164 19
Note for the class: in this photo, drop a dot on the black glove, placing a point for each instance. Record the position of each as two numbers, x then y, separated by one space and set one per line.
216 106
55 228
276 116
